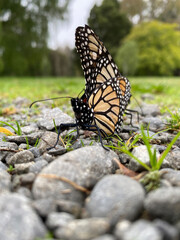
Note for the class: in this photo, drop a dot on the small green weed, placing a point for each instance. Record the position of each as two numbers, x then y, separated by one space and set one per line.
68 139
155 163
174 121
36 143
10 169
55 126
27 143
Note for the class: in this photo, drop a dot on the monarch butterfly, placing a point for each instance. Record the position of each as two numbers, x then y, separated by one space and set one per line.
107 92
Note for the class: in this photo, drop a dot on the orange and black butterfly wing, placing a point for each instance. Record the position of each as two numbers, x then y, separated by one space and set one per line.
96 62
108 106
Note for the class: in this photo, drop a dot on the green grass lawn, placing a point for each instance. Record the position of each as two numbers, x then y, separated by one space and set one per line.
166 90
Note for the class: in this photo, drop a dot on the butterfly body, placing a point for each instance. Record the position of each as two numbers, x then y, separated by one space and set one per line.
83 113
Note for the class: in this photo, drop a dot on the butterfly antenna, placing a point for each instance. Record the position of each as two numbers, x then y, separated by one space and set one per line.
43 100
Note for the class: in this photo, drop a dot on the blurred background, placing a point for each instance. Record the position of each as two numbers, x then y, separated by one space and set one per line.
37 36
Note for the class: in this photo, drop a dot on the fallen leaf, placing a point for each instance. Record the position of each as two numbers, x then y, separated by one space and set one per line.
6 131
124 170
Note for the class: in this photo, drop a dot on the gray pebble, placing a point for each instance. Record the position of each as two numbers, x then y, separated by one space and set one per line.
168 231
155 124
47 140
32 138
164 203
21 157
112 198
38 166
73 208
105 237
46 120
44 206
142 154
58 219
29 129
150 109
58 150
18 220
21 168
140 230
35 152
172 176
173 158
25 192
3 166
9 146
5 181
83 166
83 229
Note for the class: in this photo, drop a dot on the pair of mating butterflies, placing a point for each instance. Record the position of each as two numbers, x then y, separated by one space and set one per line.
107 92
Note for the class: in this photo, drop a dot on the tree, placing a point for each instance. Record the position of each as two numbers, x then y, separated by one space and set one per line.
146 10
128 65
109 24
158 48
24 34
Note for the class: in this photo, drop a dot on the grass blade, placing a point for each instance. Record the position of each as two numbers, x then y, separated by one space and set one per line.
159 163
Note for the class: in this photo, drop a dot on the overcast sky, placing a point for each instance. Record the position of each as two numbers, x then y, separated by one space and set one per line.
62 34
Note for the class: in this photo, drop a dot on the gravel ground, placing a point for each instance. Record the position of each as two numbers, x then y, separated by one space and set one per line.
78 192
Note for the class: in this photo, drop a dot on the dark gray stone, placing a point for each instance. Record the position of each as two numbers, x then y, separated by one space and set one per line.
46 120
32 138
173 159
5 181
83 229
140 230
169 232
35 152
18 220
8 146
164 203
58 150
21 157
116 197
47 140
150 109
83 166
155 124
172 176
38 166
58 219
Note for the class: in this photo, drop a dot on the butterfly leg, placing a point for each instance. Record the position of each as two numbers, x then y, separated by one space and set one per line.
64 126
95 128
129 112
